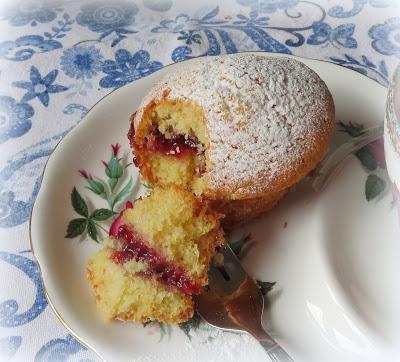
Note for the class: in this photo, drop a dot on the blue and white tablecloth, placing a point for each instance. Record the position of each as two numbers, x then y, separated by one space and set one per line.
58 58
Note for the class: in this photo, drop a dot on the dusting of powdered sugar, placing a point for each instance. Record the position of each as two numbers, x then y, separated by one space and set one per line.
263 115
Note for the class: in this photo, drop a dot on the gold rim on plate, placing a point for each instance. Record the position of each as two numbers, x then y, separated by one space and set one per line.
47 296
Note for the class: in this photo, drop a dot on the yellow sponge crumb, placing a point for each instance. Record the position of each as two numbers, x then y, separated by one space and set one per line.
171 170
181 229
180 226
125 296
181 116
171 118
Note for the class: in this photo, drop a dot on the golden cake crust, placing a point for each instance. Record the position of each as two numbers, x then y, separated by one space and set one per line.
269 121
238 212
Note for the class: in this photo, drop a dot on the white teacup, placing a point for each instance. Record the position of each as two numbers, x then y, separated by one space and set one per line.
392 134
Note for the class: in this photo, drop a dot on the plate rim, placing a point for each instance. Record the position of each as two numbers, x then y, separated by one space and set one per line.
80 123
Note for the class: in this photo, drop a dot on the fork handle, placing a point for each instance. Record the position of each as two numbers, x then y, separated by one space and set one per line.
275 352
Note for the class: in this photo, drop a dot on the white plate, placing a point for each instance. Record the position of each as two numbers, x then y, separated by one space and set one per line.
334 255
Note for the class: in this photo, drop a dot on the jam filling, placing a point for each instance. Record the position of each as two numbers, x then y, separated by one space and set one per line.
177 146
118 221
165 272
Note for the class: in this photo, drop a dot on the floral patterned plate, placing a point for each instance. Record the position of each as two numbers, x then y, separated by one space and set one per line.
334 255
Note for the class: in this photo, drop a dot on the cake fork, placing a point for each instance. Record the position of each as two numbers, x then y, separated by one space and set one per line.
233 302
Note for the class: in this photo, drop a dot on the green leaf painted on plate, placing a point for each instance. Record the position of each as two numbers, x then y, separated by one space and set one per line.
112 182
115 170
374 186
101 214
96 186
92 231
165 331
265 287
352 129
238 245
367 158
125 191
76 227
192 324
147 186
78 203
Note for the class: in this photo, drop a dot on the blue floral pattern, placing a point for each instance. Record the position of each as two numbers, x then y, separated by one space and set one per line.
71 108
252 20
386 37
339 36
364 66
15 118
253 26
40 87
268 6
190 37
9 346
107 17
158 5
9 316
127 67
81 62
31 12
12 211
58 58
59 31
25 46
338 11
15 209
60 349
181 23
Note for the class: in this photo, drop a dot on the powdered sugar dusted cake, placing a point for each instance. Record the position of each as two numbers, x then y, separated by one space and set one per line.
239 130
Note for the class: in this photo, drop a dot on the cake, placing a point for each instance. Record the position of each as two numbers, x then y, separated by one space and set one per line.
237 130
156 257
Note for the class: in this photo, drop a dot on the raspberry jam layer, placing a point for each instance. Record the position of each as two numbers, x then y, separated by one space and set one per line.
165 272
177 146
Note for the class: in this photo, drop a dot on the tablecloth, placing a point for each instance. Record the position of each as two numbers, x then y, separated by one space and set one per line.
57 59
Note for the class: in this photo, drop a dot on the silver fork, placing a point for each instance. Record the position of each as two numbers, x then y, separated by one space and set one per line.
233 302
